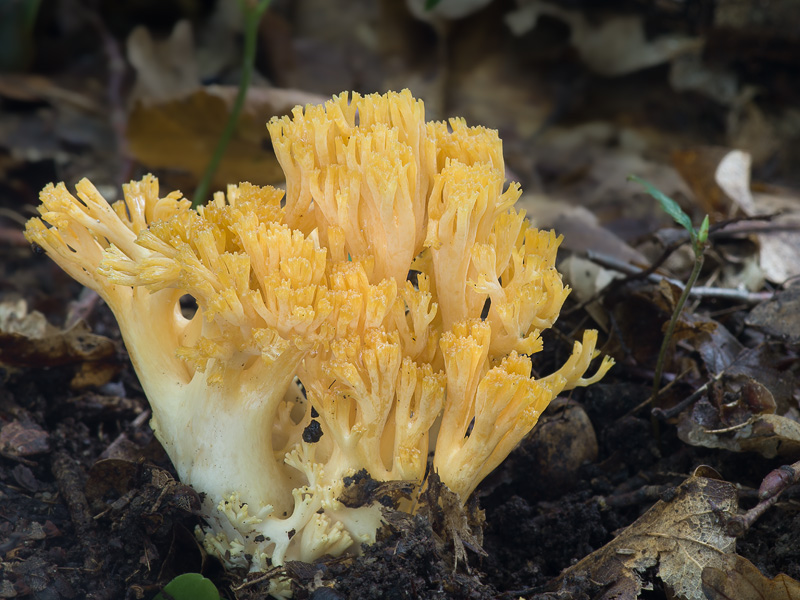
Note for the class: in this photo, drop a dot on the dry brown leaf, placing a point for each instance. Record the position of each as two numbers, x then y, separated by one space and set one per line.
742 580
719 178
182 134
678 537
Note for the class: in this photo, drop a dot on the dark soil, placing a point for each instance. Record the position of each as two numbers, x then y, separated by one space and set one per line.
95 512
89 504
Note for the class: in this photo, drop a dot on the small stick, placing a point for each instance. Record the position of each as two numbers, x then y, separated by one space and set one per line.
615 264
770 490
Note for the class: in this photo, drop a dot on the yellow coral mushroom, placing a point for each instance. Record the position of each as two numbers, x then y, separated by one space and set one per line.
368 282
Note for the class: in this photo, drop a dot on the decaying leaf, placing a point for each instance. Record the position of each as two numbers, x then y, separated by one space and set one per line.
779 249
750 405
182 134
779 316
742 580
23 438
609 46
121 480
678 538
719 178
769 435
28 340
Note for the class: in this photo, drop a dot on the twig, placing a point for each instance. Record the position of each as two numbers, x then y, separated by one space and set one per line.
633 271
771 488
717 230
69 480
267 575
649 399
662 414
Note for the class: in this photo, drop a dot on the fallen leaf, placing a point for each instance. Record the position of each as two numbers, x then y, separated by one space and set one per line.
677 538
580 227
27 87
28 340
719 178
23 439
779 249
733 177
165 69
767 434
586 279
741 580
182 134
609 45
779 316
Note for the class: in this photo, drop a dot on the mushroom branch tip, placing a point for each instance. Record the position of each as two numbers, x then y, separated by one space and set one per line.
379 313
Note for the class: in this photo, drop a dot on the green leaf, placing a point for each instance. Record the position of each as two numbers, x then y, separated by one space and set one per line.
668 204
189 586
431 4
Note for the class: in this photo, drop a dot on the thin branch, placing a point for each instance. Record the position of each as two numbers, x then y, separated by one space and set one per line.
635 272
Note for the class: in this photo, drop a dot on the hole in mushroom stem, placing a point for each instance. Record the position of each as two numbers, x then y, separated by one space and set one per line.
188 306
412 276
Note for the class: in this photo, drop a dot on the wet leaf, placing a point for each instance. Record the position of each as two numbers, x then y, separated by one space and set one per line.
677 538
742 580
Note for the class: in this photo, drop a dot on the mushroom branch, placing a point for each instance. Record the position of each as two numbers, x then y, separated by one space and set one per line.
395 281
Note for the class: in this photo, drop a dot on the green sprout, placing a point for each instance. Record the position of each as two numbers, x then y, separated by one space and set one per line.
699 238
253 10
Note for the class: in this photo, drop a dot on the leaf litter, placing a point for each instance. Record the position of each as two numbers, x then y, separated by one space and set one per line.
89 505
